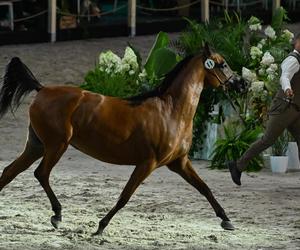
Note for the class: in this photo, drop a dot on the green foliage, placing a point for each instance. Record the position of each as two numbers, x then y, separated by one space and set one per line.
216 34
111 85
278 19
233 145
160 59
279 148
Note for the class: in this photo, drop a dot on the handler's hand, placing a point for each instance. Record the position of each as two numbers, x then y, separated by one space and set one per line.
289 93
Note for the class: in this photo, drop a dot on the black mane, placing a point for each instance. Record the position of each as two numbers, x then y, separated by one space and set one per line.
161 89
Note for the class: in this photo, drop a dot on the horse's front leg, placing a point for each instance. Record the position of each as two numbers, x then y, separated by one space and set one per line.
140 173
184 168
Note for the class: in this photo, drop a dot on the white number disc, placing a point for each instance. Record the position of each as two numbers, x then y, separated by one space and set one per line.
209 64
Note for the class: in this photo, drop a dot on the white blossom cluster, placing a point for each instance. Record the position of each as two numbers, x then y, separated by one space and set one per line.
254 24
270 32
248 75
110 63
258 90
268 66
129 62
255 52
286 34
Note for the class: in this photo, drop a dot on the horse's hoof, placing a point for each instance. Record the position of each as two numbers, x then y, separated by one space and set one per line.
226 224
55 221
99 232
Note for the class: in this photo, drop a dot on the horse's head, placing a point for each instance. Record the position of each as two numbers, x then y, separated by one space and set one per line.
218 72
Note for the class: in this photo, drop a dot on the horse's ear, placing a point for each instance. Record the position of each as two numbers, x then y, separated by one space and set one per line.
206 49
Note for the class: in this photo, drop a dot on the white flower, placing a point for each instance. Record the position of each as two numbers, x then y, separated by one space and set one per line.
248 75
261 71
261 43
254 23
257 86
267 59
255 52
109 62
270 32
274 67
131 72
288 35
253 20
143 76
260 46
129 61
271 77
255 27
271 71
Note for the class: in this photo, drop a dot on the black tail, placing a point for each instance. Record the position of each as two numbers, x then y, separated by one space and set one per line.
18 81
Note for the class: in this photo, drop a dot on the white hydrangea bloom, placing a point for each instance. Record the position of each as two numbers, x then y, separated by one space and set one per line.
143 76
255 52
248 75
109 62
253 20
255 27
270 32
288 35
129 61
267 59
271 77
257 86
261 43
261 71
260 46
273 67
272 71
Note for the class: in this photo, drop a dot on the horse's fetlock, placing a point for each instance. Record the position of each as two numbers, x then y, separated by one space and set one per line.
221 214
57 210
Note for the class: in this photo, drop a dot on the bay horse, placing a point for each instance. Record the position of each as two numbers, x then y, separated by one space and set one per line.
149 130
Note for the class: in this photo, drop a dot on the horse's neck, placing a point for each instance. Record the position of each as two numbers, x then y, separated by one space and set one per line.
186 90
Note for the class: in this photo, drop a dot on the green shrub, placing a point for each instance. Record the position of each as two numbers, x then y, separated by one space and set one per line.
233 145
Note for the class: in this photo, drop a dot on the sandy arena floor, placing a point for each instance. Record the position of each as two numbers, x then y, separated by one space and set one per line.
164 213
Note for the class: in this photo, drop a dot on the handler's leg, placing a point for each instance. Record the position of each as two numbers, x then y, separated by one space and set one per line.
294 129
275 126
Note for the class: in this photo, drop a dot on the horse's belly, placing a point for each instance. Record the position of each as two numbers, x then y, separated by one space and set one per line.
121 154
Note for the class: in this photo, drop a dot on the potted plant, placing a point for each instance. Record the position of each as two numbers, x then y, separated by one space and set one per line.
279 159
293 155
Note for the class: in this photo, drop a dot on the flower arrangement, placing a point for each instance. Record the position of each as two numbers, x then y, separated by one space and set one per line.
115 76
268 47
126 76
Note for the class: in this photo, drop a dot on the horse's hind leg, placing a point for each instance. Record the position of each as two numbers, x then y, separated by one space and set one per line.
184 168
51 156
140 173
32 152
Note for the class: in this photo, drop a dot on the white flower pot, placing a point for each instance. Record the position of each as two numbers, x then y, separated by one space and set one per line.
279 164
292 153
